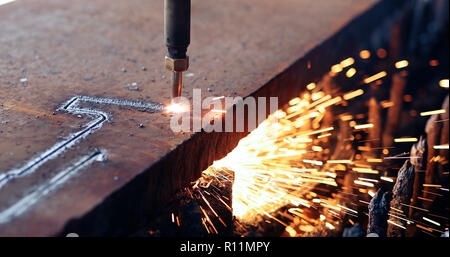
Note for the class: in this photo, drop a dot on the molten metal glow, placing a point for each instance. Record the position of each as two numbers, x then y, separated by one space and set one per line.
266 176
386 179
365 170
377 76
311 86
443 83
176 108
347 62
336 68
405 139
363 126
353 94
386 104
401 64
432 112
364 54
286 167
440 146
350 72
431 221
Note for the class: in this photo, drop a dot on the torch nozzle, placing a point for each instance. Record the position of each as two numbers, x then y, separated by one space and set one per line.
177 83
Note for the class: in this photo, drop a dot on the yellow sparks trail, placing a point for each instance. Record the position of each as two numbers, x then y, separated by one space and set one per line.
287 156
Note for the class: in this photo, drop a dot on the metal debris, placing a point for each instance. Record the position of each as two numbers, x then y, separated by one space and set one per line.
378 213
133 86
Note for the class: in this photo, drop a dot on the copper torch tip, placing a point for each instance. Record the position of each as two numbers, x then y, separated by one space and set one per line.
176 83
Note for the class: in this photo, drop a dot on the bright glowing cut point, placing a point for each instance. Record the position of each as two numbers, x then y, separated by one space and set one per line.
443 83
175 108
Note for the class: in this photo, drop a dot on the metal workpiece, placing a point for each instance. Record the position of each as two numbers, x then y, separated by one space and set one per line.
125 188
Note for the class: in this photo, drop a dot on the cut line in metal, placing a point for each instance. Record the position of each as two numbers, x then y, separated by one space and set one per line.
26 202
71 106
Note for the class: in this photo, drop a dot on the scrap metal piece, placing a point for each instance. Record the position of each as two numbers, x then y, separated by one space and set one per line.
378 213
355 231
402 192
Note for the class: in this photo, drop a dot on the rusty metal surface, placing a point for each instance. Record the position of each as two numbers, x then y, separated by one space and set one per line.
52 51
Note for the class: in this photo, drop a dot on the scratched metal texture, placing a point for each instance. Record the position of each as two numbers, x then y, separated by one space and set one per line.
110 179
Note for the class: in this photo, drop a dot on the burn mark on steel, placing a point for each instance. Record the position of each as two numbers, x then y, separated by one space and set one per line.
24 203
149 106
72 107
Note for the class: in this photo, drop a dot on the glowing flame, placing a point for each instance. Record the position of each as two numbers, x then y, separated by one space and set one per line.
176 108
